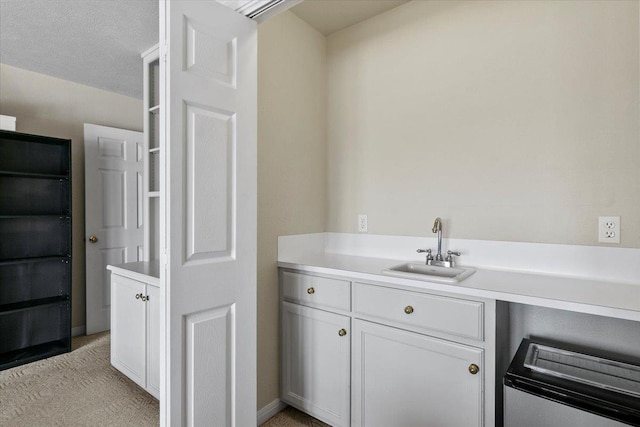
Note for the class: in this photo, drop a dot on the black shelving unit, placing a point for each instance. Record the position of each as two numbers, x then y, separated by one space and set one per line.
35 247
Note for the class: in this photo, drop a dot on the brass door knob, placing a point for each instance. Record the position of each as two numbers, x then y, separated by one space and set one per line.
342 332
408 309
311 291
93 239
473 369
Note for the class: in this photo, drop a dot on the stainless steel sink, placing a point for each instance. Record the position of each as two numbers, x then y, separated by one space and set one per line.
430 273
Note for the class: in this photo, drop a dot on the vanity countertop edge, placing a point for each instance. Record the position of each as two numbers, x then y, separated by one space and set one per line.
143 271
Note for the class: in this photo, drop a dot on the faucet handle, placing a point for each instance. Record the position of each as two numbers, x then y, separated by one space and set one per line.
428 252
451 254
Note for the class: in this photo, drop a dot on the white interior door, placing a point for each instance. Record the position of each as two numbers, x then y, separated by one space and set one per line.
209 125
113 212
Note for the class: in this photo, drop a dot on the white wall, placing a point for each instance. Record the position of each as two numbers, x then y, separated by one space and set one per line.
291 164
512 120
45 105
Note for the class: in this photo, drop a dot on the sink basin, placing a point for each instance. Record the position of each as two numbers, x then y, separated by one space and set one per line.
430 273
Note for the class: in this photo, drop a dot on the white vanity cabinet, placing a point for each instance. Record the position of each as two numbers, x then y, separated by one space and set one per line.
316 347
135 324
417 358
411 377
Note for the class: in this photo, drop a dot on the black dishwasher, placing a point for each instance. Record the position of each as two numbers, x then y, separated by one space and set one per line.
550 386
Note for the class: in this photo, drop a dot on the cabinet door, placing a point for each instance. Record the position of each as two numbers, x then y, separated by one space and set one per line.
402 378
153 341
128 328
316 361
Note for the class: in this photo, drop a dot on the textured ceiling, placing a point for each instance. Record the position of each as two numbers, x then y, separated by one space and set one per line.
94 42
329 16
98 42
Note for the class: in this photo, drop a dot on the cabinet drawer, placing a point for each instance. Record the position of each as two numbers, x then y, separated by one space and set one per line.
316 291
443 314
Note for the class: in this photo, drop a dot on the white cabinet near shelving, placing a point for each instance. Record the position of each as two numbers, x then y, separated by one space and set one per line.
135 324
128 320
405 379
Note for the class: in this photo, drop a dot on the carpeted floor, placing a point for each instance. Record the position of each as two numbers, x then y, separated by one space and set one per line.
82 389
291 417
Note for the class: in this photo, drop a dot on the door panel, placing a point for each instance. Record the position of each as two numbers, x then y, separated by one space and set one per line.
210 177
406 379
128 328
208 221
112 212
316 362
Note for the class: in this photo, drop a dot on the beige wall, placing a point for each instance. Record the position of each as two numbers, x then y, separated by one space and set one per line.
291 164
49 106
512 121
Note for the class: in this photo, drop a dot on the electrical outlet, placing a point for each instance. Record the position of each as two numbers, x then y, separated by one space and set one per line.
609 229
362 223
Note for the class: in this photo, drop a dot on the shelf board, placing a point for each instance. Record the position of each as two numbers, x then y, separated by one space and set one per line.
154 150
155 109
33 175
16 306
35 259
35 216
153 194
33 353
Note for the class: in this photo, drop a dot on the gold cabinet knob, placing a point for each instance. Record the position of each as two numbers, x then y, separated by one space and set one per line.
342 332
473 369
408 309
138 296
144 298
93 239
311 291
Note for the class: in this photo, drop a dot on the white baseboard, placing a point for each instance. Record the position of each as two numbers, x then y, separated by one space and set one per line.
78 330
270 410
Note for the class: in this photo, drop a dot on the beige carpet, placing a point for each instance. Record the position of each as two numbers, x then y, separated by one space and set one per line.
82 389
74 389
290 417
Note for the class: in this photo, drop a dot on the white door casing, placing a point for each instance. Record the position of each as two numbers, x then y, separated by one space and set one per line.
208 215
113 212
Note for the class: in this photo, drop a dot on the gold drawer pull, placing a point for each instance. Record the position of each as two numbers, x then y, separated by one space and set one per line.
342 332
474 369
138 296
311 291
408 309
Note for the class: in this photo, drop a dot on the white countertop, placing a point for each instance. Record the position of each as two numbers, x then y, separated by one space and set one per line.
144 271
619 300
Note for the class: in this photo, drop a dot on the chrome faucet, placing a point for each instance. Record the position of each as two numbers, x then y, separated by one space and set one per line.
437 228
449 261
